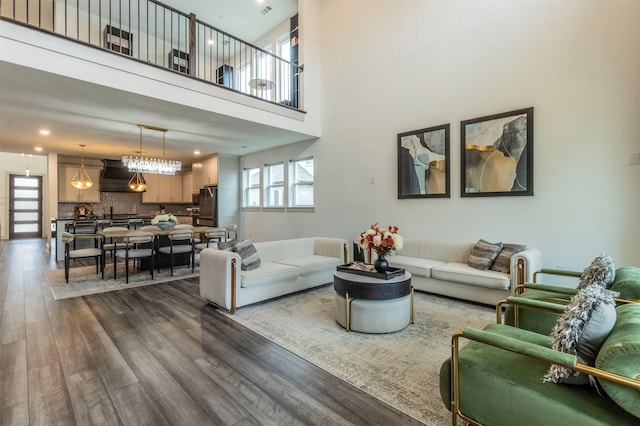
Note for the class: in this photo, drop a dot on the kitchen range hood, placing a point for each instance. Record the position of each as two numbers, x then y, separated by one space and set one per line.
114 177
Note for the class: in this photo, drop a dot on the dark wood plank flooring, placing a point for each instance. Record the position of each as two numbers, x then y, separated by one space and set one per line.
151 355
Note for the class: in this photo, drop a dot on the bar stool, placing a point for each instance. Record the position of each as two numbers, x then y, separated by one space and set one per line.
119 222
135 223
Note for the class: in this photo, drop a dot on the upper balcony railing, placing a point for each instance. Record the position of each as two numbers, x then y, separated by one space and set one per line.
157 34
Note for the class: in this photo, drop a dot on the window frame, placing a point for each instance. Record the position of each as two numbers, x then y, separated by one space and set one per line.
267 186
293 183
246 187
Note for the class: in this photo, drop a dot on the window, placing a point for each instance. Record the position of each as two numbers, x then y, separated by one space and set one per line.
301 183
251 187
274 185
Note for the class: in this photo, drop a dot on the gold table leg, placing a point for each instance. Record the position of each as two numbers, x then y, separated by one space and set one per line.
412 311
348 311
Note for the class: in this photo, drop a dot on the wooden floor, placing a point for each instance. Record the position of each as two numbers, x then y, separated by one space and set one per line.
151 355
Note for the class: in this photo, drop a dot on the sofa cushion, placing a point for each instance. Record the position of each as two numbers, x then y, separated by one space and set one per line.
462 273
601 271
619 354
274 251
483 254
503 260
313 263
415 265
581 329
267 273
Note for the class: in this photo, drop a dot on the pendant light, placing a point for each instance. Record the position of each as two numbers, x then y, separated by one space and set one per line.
137 183
81 179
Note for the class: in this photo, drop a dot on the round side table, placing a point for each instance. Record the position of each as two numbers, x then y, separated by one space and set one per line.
373 305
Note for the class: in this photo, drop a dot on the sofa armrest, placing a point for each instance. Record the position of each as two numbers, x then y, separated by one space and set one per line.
523 265
539 305
332 247
569 291
220 277
557 272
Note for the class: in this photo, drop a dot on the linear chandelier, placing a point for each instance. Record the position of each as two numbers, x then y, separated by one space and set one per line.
158 166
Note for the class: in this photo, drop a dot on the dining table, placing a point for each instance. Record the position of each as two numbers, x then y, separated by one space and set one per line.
162 260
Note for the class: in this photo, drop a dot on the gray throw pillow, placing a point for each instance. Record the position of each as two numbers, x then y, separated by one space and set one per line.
227 245
248 254
581 330
601 271
483 254
503 260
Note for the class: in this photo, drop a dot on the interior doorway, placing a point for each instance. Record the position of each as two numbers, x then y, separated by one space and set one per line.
25 206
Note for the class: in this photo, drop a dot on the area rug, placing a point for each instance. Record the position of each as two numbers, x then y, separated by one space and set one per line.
401 369
83 280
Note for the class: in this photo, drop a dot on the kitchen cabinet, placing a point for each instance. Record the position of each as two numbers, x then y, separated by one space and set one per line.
210 171
68 194
196 176
163 189
187 188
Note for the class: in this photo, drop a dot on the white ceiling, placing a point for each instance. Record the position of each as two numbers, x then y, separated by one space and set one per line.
77 112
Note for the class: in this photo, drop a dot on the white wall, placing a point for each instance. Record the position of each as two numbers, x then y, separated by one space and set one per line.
390 67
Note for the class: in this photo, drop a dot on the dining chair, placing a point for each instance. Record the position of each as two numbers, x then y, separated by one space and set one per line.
180 241
138 245
232 228
213 235
109 243
187 226
69 253
81 226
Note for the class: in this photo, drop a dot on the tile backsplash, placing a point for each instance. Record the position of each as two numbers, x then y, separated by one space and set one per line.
122 203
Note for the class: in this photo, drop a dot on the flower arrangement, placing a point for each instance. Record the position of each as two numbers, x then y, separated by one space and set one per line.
383 241
164 218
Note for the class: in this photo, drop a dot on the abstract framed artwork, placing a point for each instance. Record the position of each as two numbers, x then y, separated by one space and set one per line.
423 163
497 154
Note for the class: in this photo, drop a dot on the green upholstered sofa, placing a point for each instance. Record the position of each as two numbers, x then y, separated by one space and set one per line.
496 378
627 283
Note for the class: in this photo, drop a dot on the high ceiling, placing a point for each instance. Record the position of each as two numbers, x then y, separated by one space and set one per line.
77 112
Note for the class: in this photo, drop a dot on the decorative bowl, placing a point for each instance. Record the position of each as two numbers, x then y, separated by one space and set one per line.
166 225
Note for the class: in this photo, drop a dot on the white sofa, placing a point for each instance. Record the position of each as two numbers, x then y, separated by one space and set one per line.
286 266
441 268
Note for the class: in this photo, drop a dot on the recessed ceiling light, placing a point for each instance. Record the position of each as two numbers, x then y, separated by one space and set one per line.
259 1
38 148
210 41
196 152
44 132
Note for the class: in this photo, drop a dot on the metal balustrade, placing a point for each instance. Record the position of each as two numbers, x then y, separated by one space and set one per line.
157 34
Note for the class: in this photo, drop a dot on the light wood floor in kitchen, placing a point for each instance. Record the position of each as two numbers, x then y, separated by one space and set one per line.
151 355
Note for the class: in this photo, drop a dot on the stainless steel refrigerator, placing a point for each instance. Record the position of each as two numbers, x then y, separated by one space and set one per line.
208 206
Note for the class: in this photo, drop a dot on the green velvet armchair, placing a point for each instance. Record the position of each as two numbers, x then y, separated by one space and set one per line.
496 378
